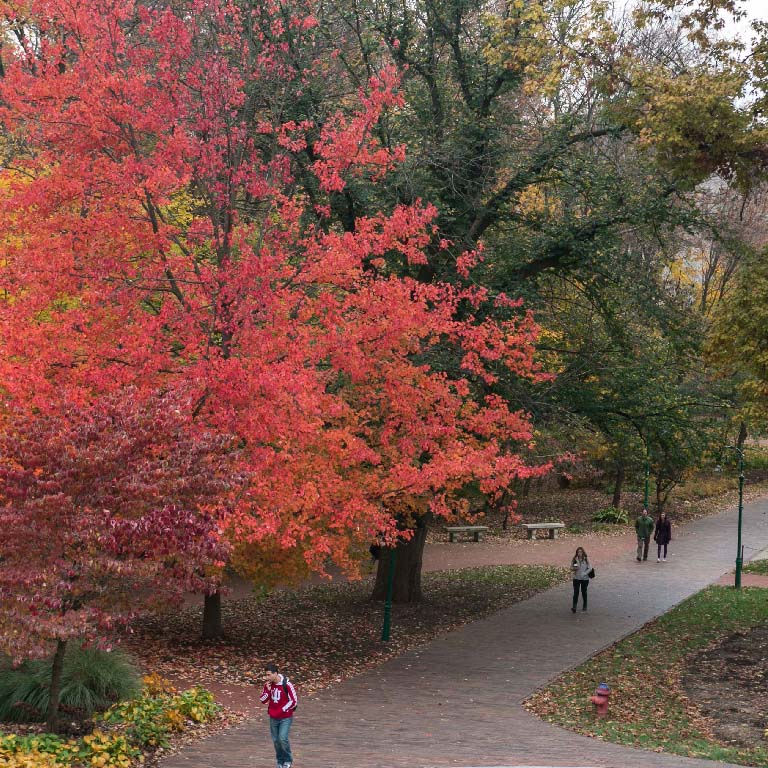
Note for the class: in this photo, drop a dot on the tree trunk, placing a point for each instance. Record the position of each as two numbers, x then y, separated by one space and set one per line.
52 715
618 485
522 494
662 494
406 587
212 627
504 503
742 438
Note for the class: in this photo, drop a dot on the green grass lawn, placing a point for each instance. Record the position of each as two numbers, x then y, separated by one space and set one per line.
647 708
758 566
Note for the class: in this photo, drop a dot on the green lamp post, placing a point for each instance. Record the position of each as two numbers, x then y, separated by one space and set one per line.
739 548
388 602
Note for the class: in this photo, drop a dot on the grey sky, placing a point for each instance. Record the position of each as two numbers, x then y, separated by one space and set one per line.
756 9
753 8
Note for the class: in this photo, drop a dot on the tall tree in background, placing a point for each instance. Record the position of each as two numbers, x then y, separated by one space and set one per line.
738 339
503 99
574 141
738 342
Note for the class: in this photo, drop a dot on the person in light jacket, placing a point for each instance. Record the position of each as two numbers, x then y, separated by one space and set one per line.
580 569
662 535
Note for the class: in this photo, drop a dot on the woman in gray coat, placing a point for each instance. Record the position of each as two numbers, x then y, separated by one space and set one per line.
580 568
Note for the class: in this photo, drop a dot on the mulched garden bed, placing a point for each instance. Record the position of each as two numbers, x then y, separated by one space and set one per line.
728 682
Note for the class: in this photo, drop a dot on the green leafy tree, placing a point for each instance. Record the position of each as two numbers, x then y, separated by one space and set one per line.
738 343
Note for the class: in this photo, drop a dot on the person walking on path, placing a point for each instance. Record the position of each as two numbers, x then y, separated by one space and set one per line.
581 569
662 535
644 529
281 695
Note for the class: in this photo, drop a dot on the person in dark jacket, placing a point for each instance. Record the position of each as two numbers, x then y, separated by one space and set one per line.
662 535
644 529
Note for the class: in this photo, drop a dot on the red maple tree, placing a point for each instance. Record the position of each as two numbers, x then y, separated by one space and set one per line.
155 234
106 510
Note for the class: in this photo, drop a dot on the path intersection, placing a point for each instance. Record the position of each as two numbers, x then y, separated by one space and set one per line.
457 701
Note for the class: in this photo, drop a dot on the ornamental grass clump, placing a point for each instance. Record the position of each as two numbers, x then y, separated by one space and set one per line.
612 515
92 681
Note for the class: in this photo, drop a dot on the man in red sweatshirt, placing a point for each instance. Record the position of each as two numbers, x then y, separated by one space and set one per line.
281 695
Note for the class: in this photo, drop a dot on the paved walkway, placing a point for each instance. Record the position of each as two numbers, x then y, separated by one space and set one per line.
457 700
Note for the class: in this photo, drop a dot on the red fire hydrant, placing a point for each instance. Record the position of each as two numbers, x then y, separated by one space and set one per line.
600 699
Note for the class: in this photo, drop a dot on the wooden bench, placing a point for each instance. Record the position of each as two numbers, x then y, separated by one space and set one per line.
553 528
476 530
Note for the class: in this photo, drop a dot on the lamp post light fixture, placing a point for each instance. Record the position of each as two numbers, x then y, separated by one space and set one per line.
739 548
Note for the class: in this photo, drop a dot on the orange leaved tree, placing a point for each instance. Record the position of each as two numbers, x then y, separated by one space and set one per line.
155 235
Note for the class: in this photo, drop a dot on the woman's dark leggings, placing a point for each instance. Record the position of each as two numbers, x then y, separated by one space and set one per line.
665 550
580 584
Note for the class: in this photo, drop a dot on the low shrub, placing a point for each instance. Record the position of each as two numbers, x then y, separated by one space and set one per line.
154 685
145 719
101 750
197 705
152 717
612 515
91 681
135 726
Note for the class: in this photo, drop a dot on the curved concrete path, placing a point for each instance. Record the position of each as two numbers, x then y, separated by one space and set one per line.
457 700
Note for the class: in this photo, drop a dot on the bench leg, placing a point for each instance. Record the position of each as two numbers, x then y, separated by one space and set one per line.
450 537
553 533
530 532
477 535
